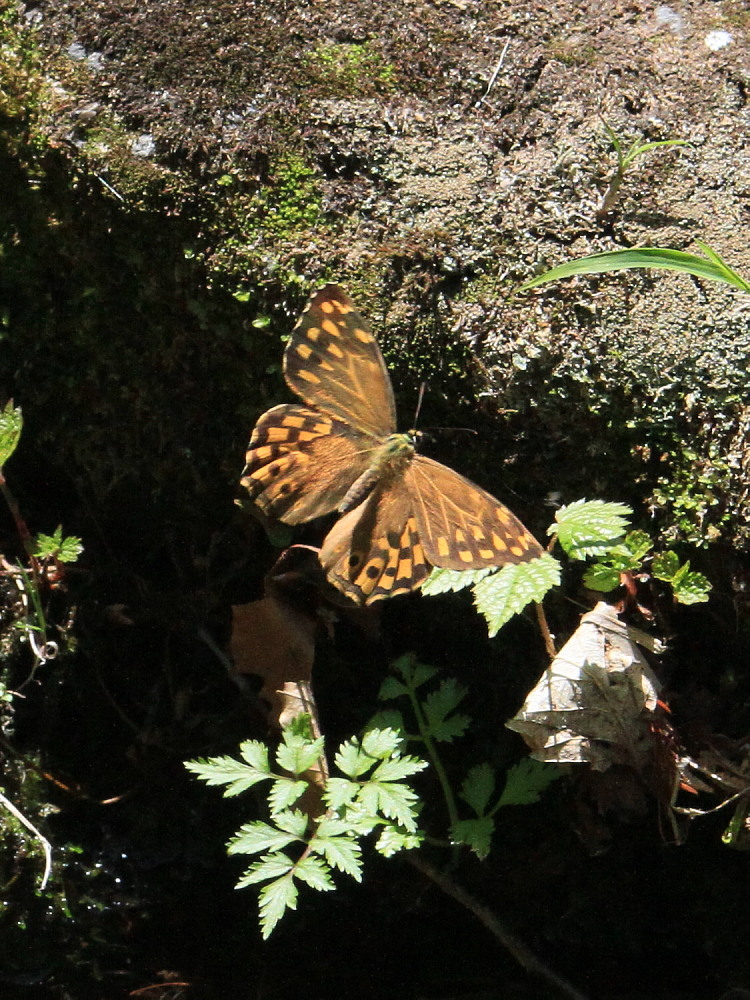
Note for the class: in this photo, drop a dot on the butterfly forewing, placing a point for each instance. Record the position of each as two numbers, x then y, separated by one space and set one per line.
301 463
460 525
334 363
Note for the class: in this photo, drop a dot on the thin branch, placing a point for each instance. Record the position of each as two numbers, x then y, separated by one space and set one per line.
517 948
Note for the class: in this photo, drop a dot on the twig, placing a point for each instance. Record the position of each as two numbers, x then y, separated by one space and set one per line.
46 846
496 70
549 642
520 951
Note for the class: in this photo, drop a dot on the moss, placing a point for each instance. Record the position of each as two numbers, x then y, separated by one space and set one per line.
350 70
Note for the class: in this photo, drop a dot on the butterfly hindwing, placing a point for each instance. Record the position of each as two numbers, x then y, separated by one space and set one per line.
461 526
374 551
300 463
333 362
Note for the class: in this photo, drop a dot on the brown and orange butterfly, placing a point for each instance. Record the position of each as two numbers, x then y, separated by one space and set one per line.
402 512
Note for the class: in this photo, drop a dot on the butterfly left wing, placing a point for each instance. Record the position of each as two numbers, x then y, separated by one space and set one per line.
374 551
333 363
301 463
460 525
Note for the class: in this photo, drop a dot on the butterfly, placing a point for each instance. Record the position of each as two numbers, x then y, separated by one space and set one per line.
402 513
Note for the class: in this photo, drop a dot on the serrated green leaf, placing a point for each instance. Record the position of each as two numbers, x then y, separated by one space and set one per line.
441 702
352 760
601 577
398 768
392 840
690 587
390 718
665 565
284 793
315 872
255 754
343 853
274 900
381 743
238 777
11 425
475 834
478 786
525 782
271 866
394 801
446 581
297 754
392 688
639 544
251 838
588 527
500 596
66 550
340 792
412 671
293 821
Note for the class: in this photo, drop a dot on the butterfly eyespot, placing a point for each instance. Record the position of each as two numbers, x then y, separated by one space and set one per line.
285 489
373 572
354 560
390 571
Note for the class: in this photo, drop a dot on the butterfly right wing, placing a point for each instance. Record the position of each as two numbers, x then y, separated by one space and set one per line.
301 463
333 363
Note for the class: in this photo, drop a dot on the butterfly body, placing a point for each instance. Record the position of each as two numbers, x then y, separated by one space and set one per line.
402 512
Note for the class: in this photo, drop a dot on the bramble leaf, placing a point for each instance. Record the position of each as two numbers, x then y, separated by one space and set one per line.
475 833
478 786
525 782
588 527
503 594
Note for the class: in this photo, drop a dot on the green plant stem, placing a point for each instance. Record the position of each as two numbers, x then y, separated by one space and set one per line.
21 527
517 948
450 799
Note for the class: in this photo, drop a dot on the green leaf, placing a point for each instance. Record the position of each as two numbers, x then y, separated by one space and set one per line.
11 424
254 837
392 840
525 782
475 833
398 768
352 760
340 792
392 688
390 718
343 853
478 786
394 801
271 866
692 588
414 673
444 581
298 754
665 566
226 771
437 707
255 754
274 900
712 267
588 527
601 577
315 872
381 743
284 793
293 821
504 594
67 550
639 544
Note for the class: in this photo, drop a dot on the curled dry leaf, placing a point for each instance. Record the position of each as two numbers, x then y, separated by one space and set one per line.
596 701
